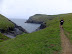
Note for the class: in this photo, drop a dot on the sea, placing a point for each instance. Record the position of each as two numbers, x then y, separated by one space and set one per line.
29 27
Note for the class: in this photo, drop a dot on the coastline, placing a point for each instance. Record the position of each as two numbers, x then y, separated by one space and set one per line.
17 30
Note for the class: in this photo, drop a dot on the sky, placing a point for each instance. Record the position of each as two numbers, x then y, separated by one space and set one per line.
26 8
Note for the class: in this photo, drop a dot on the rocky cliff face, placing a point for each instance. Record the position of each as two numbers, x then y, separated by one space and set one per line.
42 26
17 30
18 27
9 27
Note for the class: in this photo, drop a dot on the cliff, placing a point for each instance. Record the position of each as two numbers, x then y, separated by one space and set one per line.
40 18
9 27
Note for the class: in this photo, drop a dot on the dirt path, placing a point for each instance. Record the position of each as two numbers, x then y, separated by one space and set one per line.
66 45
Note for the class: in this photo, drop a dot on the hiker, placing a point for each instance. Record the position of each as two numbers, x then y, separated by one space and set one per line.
61 22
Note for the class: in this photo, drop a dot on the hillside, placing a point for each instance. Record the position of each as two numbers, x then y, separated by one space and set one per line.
4 25
40 18
41 42
45 41
7 27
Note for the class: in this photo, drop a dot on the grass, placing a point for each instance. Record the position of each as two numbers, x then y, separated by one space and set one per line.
68 25
3 37
46 41
41 17
4 25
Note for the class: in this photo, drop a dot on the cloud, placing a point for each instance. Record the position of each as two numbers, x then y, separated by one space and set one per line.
1 5
26 8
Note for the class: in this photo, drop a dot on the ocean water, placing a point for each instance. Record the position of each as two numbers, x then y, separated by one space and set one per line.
29 27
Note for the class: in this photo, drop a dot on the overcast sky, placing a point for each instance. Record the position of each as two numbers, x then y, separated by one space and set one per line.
26 8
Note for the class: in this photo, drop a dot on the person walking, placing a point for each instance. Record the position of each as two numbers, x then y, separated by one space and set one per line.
61 23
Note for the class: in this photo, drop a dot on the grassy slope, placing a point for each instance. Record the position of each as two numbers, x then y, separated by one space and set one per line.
4 24
3 37
41 17
68 25
46 41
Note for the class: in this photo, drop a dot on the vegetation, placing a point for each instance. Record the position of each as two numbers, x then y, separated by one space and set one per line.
68 25
39 18
46 41
5 23
3 37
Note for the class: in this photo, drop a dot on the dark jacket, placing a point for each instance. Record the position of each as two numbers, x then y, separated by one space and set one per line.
61 22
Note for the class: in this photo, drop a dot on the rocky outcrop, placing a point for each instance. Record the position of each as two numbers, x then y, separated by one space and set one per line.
42 26
32 21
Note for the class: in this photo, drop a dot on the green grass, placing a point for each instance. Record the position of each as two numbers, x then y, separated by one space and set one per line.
68 25
41 17
5 23
46 41
3 37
